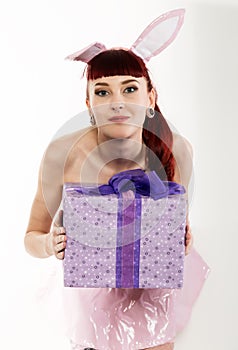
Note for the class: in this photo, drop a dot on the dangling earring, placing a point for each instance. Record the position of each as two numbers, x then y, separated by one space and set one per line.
150 112
92 119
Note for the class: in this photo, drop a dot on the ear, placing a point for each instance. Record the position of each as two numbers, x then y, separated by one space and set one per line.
87 103
159 34
86 54
152 98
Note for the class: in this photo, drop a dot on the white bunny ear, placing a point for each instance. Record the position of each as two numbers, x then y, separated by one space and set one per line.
86 54
159 34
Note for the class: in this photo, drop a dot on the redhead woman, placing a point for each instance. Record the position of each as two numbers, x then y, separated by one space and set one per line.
127 132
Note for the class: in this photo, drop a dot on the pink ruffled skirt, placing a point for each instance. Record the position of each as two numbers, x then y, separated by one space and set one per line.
131 319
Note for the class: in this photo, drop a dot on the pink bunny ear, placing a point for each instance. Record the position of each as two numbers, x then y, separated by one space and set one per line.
159 34
86 54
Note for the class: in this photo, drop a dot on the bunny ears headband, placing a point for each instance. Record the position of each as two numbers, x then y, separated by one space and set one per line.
155 38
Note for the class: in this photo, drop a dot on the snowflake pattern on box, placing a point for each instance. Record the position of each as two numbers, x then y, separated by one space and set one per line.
145 251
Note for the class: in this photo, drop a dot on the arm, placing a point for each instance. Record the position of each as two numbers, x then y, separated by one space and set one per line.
41 239
183 154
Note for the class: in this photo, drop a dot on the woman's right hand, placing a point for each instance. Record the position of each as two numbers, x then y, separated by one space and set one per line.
56 240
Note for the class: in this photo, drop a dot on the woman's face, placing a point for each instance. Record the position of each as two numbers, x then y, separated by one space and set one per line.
119 104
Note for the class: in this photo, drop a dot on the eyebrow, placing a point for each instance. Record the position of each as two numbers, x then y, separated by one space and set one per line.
123 82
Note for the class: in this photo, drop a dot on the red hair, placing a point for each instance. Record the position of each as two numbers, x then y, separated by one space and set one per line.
156 133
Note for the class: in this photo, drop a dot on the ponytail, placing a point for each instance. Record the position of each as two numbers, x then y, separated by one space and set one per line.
158 138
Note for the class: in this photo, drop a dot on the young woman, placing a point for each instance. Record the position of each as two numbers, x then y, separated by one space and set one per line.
128 132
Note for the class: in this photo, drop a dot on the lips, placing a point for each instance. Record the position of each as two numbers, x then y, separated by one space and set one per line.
118 119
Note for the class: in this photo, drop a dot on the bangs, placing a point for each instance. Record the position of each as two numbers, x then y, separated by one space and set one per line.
116 62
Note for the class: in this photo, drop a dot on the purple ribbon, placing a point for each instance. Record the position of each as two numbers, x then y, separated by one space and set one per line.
145 184
129 216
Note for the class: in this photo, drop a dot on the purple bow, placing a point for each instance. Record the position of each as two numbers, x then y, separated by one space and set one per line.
138 181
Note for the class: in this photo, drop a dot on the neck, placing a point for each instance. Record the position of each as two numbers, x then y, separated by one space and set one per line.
120 154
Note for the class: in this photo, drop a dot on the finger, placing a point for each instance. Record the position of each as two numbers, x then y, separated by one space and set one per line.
188 235
59 239
59 247
59 219
59 231
188 242
188 238
60 255
188 228
187 250
187 247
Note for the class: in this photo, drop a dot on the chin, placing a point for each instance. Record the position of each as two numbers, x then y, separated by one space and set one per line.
124 131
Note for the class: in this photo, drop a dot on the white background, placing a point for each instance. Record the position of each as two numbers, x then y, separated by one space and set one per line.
196 79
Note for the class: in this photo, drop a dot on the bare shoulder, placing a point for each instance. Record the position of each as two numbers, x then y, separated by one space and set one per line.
59 149
74 135
183 154
62 145
181 147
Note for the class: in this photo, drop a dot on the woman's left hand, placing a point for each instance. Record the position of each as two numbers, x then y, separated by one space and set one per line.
188 239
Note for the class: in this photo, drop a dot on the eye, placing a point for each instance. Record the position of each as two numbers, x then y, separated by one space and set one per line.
130 89
101 93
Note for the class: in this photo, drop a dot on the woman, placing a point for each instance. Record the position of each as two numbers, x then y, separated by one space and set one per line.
128 132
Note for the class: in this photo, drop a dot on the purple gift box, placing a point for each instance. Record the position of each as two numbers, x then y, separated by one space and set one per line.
127 234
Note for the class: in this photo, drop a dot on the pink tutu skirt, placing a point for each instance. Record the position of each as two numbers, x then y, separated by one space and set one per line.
130 319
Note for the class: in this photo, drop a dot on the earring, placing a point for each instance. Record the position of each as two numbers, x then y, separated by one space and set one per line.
150 112
92 119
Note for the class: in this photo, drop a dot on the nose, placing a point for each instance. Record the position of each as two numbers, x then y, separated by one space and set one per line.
117 107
